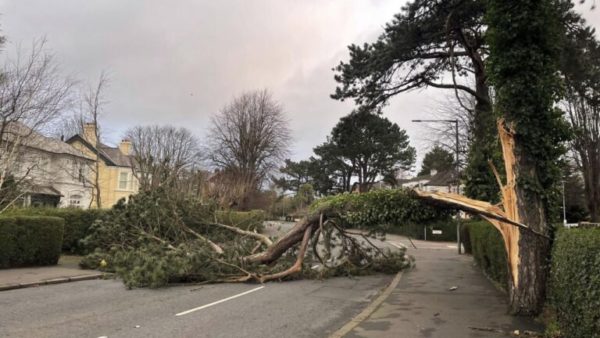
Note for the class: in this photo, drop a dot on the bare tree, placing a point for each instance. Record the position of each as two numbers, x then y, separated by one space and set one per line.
249 138
583 111
91 108
84 120
33 95
163 155
581 68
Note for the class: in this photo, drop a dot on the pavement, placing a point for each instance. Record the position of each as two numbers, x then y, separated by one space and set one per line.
67 270
105 308
444 295
423 305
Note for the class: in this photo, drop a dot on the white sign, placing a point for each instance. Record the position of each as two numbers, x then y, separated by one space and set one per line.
436 232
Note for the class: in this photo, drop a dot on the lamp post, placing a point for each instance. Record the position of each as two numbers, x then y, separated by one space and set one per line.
457 172
564 204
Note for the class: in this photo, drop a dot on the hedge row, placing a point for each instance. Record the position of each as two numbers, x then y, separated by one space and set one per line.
77 223
247 220
487 247
30 240
574 286
417 231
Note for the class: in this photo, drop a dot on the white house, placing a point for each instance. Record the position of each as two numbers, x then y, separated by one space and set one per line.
444 181
51 172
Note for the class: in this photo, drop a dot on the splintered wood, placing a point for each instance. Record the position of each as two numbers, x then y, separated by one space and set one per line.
505 217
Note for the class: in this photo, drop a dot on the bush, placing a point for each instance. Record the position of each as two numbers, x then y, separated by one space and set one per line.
574 286
77 223
487 247
416 231
30 240
381 210
247 220
8 241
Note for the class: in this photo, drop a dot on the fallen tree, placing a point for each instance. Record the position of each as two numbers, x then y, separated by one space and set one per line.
156 239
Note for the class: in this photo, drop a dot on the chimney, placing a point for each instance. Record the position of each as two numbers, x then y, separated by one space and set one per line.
89 133
125 146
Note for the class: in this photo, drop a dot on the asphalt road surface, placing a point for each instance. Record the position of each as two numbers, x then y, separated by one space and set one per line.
105 308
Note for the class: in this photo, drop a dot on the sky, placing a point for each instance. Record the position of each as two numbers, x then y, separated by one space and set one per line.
179 62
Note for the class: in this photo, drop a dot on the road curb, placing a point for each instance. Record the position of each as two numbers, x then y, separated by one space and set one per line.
369 310
52 281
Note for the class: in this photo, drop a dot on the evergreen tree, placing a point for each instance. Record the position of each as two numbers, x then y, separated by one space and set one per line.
438 159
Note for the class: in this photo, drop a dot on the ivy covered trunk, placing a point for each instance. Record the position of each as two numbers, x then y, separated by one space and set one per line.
527 249
525 39
527 287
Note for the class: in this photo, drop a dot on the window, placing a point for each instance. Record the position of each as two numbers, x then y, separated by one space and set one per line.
123 180
81 174
75 200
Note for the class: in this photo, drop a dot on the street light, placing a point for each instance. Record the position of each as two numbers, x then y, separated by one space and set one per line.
457 149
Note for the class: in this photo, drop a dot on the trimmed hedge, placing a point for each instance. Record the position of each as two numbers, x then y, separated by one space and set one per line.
487 247
77 223
574 286
30 240
416 231
247 220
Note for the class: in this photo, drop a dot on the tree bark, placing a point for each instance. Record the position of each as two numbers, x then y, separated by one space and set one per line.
529 262
288 240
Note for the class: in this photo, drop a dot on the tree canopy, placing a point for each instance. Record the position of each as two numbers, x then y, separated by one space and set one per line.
371 146
439 44
438 159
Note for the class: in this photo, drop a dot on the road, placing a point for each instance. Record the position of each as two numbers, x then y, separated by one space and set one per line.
105 308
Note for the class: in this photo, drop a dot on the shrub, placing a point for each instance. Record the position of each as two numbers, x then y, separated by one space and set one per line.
8 241
30 240
381 210
77 223
417 231
247 220
574 286
488 250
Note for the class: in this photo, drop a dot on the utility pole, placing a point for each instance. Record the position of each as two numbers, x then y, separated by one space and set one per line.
564 204
457 173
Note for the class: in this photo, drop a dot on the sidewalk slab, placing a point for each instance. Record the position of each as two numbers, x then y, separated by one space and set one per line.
422 305
64 272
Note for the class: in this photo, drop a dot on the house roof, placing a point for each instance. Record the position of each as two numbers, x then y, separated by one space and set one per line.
443 178
112 156
44 190
439 179
415 179
116 156
33 139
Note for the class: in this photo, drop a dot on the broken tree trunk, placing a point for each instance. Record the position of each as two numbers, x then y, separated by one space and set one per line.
291 238
522 223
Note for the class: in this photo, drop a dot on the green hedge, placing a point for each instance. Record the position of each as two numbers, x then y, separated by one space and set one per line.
487 247
416 231
77 223
30 240
574 286
247 220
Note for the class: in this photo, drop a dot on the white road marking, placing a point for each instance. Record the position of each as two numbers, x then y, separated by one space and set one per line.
400 246
219 301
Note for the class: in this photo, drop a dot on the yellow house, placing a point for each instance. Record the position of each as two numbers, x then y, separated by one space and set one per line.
114 167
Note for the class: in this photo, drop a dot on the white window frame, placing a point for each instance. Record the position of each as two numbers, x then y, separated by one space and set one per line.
127 180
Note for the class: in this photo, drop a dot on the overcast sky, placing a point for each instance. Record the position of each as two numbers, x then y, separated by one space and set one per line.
179 62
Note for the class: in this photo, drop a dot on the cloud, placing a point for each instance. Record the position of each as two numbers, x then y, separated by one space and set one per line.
179 62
